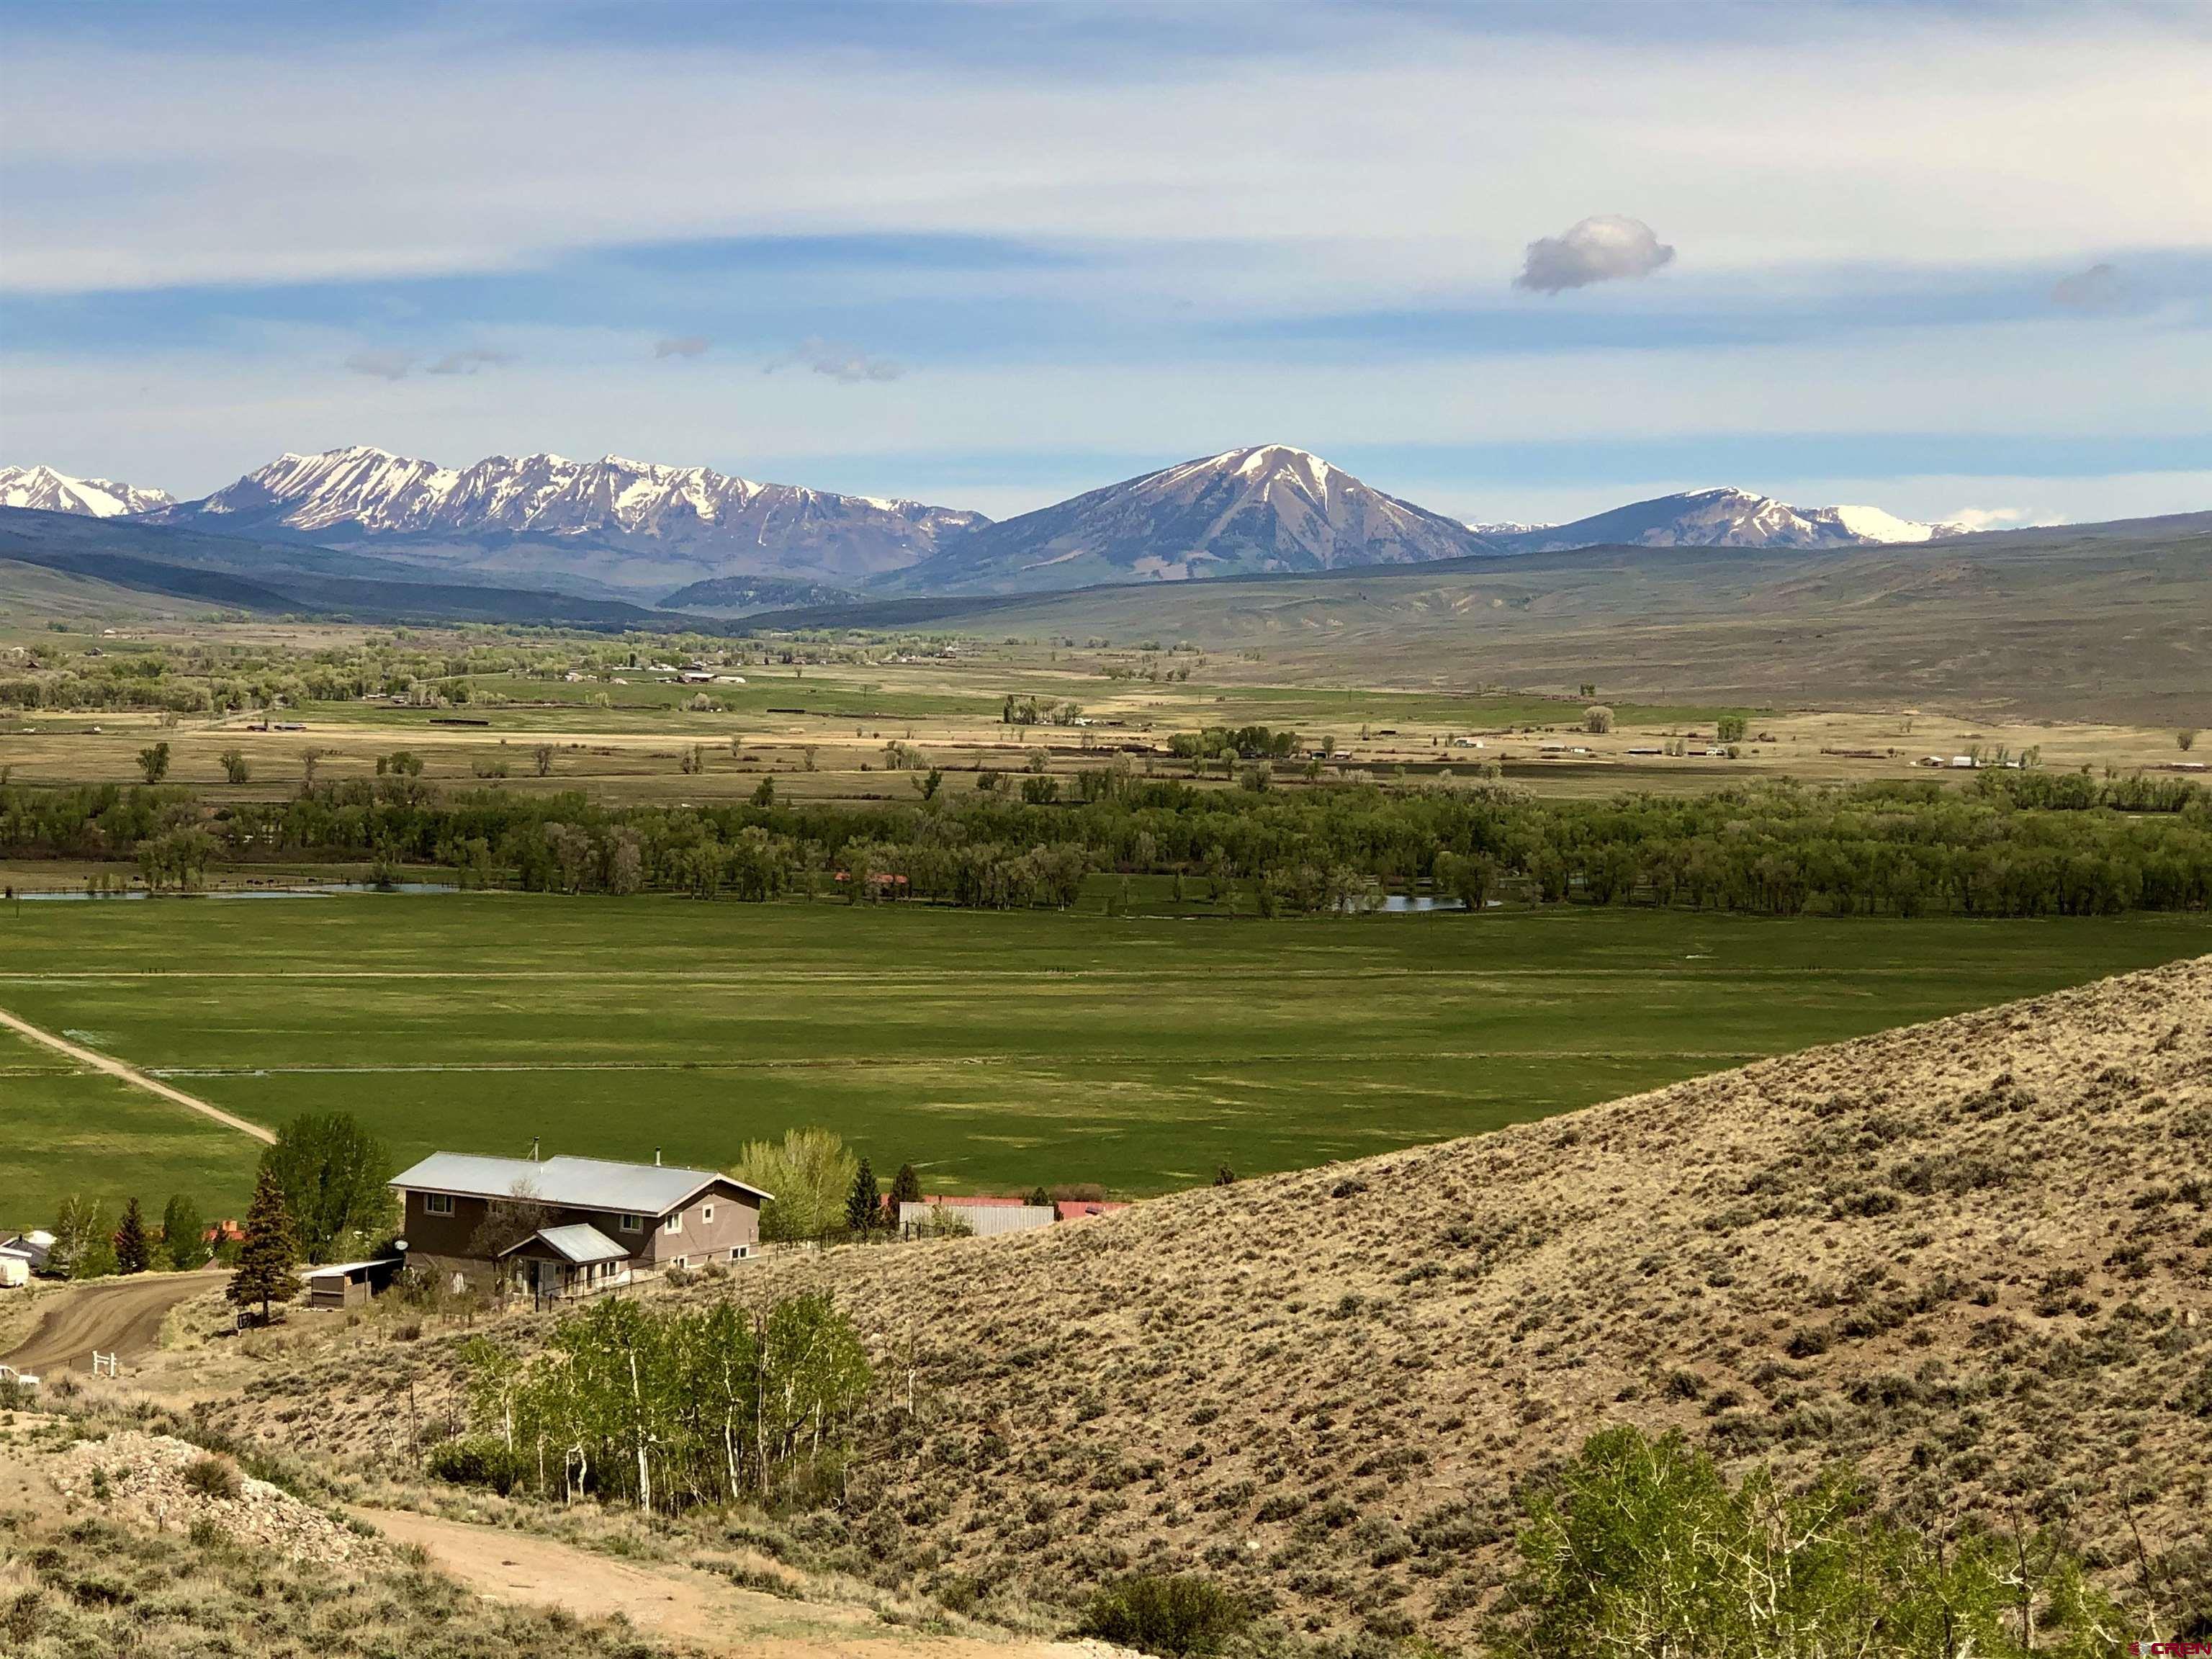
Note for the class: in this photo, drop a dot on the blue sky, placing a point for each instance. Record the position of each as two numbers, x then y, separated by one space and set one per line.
1943 258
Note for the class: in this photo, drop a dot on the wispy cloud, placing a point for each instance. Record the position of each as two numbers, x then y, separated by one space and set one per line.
381 365
470 359
682 345
1601 249
2101 289
840 363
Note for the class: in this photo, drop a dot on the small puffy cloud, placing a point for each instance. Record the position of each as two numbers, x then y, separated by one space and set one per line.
682 345
469 359
2098 289
839 362
382 365
1598 250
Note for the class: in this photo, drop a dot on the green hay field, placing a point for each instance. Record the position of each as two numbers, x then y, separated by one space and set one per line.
991 1050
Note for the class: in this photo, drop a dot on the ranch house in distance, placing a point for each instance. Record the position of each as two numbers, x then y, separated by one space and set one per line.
570 1226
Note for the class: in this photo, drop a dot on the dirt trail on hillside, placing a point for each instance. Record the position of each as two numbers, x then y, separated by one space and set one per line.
131 1075
676 1603
120 1317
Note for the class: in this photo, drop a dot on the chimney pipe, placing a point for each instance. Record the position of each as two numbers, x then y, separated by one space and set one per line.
533 1149
656 1158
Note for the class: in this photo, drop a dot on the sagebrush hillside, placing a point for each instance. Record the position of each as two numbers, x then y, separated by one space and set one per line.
1973 1257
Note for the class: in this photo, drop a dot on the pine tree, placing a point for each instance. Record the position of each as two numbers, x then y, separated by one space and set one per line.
906 1186
266 1259
1224 1176
1040 1199
862 1210
133 1254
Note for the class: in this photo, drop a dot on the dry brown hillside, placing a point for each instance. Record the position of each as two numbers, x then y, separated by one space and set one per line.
1974 1257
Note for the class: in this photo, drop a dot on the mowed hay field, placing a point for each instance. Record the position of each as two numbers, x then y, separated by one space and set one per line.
993 1050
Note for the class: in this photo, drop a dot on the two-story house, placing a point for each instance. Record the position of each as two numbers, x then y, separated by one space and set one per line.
563 1225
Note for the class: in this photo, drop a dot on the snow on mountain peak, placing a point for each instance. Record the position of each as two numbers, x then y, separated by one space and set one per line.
361 494
44 489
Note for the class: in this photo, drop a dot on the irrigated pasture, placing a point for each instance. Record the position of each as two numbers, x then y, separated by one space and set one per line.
991 1049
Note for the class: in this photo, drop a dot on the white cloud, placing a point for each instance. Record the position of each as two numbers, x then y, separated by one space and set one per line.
1601 249
2101 288
469 359
840 363
1411 159
381 365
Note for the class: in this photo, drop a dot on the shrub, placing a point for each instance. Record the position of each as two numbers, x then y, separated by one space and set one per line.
1170 1613
476 1461
212 1477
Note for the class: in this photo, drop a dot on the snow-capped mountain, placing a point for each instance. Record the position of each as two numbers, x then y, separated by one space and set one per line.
609 523
1717 518
46 490
1271 508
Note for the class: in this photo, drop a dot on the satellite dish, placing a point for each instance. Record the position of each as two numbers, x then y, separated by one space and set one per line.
400 1244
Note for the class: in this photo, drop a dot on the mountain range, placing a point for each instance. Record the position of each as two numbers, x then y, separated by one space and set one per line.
613 526
698 539
45 490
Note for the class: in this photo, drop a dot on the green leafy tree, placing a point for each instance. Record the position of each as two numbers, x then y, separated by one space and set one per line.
1224 1176
1730 728
268 1255
764 793
234 767
83 1248
810 1174
1641 1547
134 1251
332 1172
864 1210
154 763
183 1234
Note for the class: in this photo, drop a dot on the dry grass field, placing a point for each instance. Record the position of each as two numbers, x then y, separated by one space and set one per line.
1972 1257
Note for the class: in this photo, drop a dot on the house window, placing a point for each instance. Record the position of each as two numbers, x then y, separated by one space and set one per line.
674 1224
681 1261
738 1254
631 1224
706 1214
437 1204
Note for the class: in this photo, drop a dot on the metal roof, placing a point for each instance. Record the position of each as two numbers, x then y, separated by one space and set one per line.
579 1242
582 1183
331 1269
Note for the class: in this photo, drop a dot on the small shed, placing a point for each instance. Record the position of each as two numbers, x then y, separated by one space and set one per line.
15 1270
350 1284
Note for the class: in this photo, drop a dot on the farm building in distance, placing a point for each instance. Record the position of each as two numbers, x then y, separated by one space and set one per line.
569 1226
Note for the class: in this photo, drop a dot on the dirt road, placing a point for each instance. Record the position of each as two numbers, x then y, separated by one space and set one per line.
129 1075
121 1317
677 1604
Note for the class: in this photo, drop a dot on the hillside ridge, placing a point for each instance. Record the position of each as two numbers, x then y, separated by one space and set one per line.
1968 1256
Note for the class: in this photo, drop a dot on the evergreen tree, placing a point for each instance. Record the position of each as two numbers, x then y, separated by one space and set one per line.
1224 1176
266 1259
183 1234
906 1186
863 1212
1040 1199
133 1251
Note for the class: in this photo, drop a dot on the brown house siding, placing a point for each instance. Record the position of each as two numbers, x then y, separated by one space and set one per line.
440 1243
736 1226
